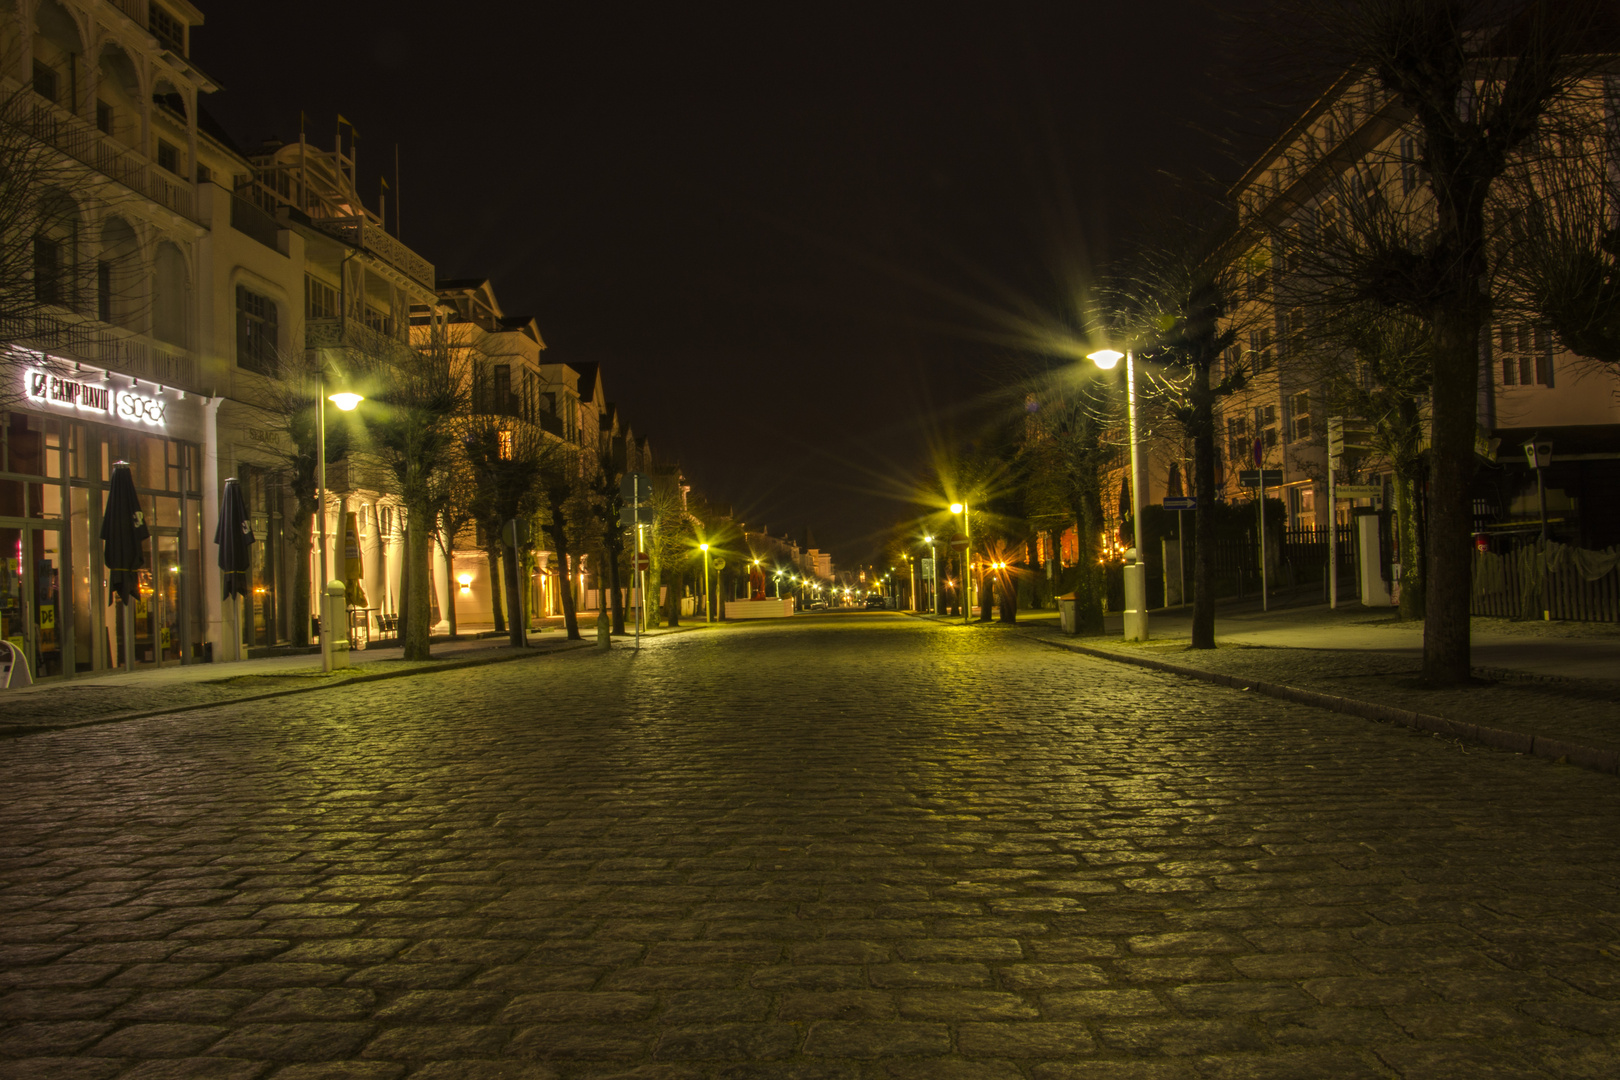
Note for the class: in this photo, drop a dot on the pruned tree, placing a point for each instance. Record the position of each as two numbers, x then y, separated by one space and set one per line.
415 397
1475 80
565 513
509 463
1175 303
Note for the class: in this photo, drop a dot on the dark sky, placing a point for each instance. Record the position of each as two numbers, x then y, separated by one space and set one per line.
771 223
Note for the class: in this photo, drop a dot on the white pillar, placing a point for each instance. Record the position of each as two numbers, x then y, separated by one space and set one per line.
210 482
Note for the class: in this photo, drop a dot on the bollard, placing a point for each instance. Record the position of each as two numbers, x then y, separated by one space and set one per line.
604 632
335 623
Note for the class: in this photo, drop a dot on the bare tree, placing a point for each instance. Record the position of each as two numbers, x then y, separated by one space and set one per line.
509 463
414 399
1475 80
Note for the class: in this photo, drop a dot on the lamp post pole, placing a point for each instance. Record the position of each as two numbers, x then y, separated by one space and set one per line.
320 517
933 561
1136 620
706 599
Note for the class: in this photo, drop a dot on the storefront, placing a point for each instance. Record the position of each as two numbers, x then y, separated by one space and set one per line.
57 452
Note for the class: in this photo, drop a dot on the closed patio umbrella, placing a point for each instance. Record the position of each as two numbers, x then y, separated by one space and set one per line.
123 535
234 536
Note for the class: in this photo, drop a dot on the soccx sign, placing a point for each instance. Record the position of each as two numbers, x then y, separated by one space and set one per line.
65 392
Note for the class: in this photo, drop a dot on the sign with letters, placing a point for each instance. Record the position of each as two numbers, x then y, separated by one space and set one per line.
44 387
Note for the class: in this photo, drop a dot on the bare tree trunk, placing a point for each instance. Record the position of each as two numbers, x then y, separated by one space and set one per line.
451 588
559 537
418 551
492 553
1203 620
1091 588
303 551
518 635
1007 594
1446 630
611 555
677 593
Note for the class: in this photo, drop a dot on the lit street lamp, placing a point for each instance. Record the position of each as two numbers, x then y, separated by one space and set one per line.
705 549
1136 620
346 401
933 561
967 558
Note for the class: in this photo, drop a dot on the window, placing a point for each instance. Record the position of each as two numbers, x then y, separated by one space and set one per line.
169 299
170 31
1296 331
505 445
320 299
1327 222
168 157
501 387
1300 406
45 80
1409 165
256 338
1525 356
1259 350
204 173
1238 450
1233 361
104 118
104 290
48 276
378 322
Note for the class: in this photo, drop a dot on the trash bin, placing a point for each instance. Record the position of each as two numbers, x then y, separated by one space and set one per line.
1066 609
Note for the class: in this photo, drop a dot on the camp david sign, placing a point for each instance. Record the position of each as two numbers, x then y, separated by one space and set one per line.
70 392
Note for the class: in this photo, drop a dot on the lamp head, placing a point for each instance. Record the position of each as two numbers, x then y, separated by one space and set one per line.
703 547
956 508
346 401
1105 358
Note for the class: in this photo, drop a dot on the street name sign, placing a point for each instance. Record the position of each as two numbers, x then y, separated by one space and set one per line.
926 566
1359 491
1181 502
1250 478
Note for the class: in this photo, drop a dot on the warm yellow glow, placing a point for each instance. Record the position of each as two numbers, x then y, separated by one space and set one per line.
928 539
956 508
465 579
1105 358
346 401
703 547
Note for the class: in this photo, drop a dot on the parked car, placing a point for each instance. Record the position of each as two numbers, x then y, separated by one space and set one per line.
876 601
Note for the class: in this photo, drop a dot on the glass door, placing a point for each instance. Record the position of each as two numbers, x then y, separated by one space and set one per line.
31 612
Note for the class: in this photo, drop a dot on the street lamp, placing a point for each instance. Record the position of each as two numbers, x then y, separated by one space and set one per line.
967 557
705 549
1136 620
345 400
933 562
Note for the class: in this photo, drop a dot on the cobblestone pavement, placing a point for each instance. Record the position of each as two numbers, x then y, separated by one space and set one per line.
834 848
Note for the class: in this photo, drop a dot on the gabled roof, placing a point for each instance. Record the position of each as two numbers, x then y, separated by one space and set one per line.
590 380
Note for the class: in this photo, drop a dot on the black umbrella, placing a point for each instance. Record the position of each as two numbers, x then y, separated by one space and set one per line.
123 531
235 538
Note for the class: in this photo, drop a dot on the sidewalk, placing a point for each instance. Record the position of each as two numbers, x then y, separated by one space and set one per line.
154 691
1552 689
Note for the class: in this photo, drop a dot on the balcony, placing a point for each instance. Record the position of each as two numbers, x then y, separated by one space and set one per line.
104 346
58 128
357 232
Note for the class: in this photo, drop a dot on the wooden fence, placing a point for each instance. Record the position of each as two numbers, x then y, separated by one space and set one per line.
1516 584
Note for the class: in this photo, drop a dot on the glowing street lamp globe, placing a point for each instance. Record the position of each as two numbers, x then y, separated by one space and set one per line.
1105 358
346 400
956 508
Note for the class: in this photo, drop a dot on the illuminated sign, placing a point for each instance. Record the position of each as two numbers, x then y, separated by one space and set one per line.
64 392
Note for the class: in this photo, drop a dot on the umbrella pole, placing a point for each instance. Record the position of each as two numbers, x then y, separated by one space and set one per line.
129 637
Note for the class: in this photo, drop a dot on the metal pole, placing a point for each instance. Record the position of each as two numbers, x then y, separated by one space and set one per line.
967 564
1181 552
933 556
1136 484
1546 576
1333 539
706 599
320 511
1260 464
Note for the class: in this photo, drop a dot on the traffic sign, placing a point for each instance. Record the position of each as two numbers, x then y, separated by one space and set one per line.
1250 478
1181 502
1347 433
925 566
719 563
959 543
635 515
634 488
1359 491
642 561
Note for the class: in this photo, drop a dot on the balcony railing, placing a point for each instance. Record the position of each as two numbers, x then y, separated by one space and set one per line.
358 232
59 128
111 347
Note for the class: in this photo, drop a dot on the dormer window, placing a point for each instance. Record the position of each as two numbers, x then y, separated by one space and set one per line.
170 31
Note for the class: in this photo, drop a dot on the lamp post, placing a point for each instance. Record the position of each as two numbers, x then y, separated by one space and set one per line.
967 557
1136 620
933 563
346 401
705 549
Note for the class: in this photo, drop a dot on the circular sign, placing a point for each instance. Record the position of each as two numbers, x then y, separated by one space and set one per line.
642 561
959 543
719 564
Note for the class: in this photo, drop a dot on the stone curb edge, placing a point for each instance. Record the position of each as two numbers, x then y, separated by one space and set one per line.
19 731
1519 742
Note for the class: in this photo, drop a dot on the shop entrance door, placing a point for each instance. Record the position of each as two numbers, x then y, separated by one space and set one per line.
31 615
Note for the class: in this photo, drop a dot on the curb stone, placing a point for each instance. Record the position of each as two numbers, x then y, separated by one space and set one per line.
1519 742
20 730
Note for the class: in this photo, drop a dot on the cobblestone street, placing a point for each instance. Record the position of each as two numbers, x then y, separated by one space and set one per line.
851 846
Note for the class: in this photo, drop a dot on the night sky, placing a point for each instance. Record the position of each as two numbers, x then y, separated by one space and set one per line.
773 224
